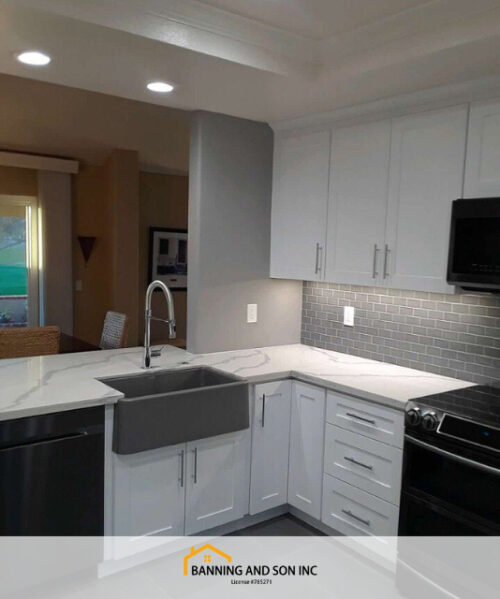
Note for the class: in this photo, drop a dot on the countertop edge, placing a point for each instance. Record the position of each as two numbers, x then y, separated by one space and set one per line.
59 407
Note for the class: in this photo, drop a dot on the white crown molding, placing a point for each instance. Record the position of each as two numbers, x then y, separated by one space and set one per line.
485 88
411 23
39 163
194 26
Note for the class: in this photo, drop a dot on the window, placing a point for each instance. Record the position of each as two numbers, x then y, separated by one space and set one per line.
19 261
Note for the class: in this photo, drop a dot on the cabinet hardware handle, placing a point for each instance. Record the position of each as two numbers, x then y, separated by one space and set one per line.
317 268
181 455
263 409
351 515
195 475
386 260
353 461
376 250
360 418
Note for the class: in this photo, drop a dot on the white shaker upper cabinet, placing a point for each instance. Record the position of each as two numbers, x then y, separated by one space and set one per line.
426 174
300 196
357 203
482 168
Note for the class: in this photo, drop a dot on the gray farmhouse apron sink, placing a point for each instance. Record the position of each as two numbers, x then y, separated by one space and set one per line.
167 407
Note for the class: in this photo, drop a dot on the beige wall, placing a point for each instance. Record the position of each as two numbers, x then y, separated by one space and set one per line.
91 217
123 188
18 181
50 119
118 207
113 138
163 203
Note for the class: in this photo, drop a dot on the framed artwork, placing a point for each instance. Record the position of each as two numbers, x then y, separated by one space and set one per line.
168 260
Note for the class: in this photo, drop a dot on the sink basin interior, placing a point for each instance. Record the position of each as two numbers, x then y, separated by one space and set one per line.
169 381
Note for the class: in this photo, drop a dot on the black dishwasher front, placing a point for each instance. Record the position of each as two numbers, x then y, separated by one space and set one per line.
52 474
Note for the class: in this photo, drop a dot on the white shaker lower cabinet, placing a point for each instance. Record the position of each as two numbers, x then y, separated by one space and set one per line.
178 490
426 175
363 465
351 511
217 481
148 496
270 445
305 471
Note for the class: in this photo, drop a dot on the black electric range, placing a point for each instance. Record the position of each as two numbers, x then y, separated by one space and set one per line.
451 464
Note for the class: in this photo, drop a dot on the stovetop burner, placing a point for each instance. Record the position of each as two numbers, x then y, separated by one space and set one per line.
480 403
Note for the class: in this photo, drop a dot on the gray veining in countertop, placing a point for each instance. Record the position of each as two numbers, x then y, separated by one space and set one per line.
68 381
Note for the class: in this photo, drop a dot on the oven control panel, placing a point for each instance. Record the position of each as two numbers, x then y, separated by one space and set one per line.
425 419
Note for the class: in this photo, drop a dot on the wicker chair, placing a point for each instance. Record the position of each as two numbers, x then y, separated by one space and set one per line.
21 342
115 331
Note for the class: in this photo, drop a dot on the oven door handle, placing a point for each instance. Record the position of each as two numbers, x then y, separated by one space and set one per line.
453 456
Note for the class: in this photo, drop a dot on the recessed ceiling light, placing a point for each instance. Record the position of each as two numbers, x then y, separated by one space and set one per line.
33 58
160 86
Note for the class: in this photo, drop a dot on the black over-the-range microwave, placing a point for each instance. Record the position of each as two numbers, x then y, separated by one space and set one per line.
474 256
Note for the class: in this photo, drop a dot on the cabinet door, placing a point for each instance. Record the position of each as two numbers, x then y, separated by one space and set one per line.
482 168
300 195
148 494
307 430
357 203
270 446
218 481
426 172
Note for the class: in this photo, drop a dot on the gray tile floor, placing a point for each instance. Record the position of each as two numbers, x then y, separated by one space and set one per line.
281 526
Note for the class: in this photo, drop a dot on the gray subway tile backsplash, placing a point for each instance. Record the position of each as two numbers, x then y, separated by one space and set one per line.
453 335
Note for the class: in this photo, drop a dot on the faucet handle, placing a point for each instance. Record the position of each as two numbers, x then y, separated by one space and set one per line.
156 353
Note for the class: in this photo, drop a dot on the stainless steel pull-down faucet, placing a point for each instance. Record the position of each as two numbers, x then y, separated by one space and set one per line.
148 353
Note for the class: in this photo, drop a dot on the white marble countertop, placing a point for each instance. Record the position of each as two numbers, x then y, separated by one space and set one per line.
45 384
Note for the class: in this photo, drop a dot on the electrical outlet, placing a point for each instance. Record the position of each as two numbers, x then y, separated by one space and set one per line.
251 313
78 285
348 316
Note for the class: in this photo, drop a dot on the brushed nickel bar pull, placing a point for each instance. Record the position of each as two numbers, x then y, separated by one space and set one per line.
353 461
386 260
351 515
263 409
376 250
181 455
317 268
195 475
360 418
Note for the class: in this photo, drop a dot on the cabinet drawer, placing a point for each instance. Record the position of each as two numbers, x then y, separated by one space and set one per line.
354 512
364 463
365 418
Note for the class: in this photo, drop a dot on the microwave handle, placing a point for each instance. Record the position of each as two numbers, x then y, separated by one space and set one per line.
453 456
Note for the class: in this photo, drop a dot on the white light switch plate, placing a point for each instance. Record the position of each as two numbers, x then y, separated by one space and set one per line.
348 316
251 313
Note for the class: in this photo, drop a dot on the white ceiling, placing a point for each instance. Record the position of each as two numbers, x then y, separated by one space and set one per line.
316 19
262 59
